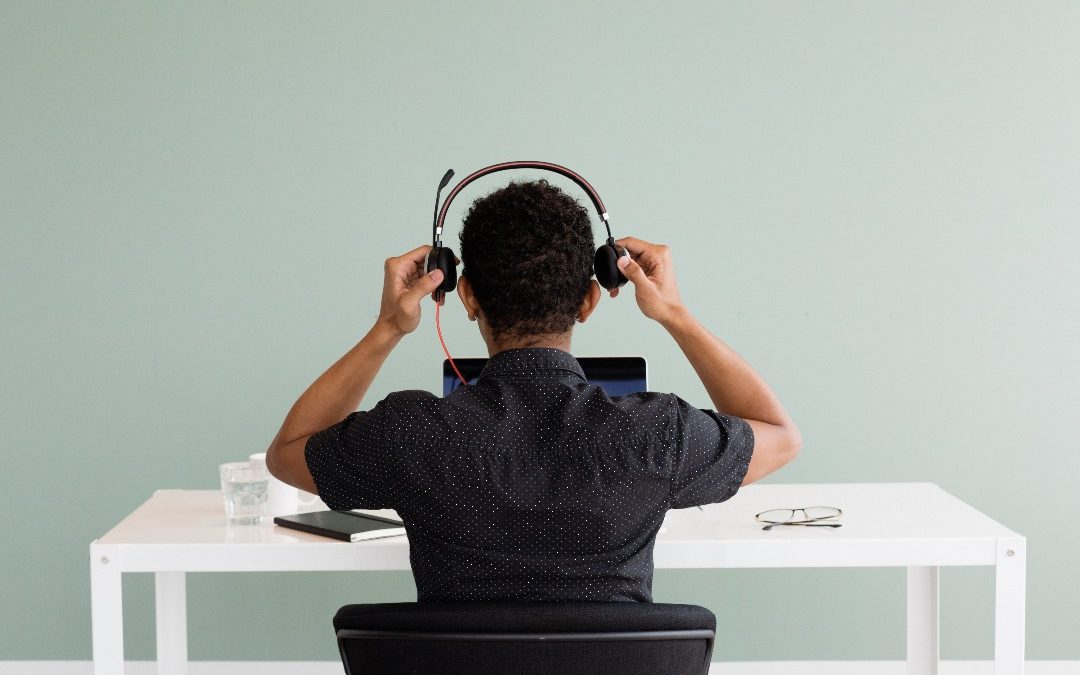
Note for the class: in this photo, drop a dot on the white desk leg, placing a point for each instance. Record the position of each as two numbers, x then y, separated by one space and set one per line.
106 610
922 620
170 598
1009 606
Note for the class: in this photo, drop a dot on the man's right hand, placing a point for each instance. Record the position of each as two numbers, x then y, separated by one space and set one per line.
652 272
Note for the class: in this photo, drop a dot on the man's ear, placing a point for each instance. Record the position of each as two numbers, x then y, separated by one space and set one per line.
592 298
468 298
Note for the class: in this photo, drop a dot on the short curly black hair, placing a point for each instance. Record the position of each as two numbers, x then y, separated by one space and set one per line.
527 250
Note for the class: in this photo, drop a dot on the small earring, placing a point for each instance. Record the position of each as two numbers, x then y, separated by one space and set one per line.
472 317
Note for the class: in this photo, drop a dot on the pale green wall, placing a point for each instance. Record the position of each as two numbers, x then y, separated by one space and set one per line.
876 203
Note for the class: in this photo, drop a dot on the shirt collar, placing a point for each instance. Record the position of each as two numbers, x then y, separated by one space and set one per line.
533 361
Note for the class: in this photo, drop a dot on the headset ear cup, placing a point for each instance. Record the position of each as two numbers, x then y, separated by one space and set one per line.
447 262
604 264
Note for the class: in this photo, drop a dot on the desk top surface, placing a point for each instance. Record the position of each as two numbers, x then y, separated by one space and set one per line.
872 512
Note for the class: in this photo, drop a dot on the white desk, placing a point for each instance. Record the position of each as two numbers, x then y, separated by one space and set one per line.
913 525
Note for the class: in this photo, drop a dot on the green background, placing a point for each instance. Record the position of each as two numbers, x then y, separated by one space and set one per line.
877 204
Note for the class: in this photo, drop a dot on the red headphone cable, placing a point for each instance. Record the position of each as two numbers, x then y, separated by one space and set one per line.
438 329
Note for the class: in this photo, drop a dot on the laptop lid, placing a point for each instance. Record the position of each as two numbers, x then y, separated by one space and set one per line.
616 375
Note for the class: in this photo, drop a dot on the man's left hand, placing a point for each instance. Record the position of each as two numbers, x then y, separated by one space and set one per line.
404 285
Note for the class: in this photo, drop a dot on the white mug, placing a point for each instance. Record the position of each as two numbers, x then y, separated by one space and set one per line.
283 499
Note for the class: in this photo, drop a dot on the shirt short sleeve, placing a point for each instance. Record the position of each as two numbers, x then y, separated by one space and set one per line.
350 464
712 455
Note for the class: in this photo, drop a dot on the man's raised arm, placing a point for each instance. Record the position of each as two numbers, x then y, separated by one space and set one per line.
733 386
340 389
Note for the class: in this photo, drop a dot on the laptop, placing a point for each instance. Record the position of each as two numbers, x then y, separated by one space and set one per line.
616 375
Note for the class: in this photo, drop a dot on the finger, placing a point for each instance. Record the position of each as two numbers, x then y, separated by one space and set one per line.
425 285
634 245
632 271
409 265
418 254
650 256
644 253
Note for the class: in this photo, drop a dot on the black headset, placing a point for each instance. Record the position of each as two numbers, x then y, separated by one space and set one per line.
443 258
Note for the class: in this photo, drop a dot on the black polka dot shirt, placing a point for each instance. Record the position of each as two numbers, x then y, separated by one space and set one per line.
532 484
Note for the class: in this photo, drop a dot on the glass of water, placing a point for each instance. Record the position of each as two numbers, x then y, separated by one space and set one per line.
243 485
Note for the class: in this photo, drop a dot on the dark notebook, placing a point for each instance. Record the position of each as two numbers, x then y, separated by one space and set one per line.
343 525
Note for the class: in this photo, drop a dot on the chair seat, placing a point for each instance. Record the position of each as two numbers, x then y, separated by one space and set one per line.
527 638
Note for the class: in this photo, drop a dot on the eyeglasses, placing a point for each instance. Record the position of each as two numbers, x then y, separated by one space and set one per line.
811 516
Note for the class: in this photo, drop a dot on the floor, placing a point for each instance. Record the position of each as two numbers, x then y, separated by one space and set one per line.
334 668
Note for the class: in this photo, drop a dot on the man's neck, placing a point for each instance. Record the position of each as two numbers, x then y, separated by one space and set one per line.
546 341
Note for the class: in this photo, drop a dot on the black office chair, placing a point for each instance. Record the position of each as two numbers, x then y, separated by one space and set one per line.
571 638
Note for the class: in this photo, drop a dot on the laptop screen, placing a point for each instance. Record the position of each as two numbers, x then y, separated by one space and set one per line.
616 375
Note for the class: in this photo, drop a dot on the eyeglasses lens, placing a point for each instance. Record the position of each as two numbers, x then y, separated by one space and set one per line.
779 516
821 512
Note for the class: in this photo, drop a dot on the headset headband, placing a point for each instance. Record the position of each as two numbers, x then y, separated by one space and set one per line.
504 166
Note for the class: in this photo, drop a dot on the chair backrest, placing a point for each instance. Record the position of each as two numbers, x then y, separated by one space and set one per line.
565 638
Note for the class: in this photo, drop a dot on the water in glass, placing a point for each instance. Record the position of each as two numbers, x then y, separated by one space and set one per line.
243 487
